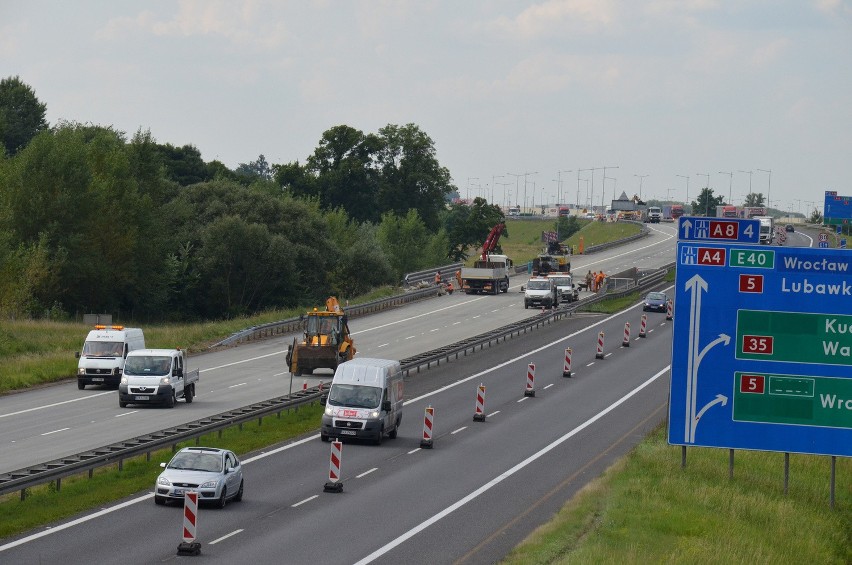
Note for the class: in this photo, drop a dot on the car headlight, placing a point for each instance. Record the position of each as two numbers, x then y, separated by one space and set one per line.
209 484
124 380
165 381
81 370
329 411
374 414
163 481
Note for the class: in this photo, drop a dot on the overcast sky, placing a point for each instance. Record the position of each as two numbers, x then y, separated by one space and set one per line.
660 88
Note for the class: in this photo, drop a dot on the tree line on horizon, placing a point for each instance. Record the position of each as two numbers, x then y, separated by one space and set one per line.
94 222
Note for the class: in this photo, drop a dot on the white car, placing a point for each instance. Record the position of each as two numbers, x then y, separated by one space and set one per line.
216 474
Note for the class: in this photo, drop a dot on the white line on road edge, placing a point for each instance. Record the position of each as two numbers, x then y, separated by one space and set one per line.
55 404
505 475
310 498
454 432
365 473
226 536
126 413
55 431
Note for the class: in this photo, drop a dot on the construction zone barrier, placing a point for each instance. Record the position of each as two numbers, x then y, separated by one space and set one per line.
642 325
334 483
428 419
190 519
626 341
599 354
530 390
479 415
669 310
566 367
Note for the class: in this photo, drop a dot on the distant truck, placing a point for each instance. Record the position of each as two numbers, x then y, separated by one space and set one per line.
676 211
727 212
364 402
104 351
156 376
767 229
566 290
655 214
487 276
754 211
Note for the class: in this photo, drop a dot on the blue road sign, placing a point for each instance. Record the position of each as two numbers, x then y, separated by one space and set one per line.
723 230
762 350
843 243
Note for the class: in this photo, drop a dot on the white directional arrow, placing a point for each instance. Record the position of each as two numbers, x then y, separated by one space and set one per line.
723 338
720 399
695 285
687 226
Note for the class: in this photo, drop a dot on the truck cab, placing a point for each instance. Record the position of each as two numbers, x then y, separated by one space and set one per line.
540 291
156 376
566 290
104 352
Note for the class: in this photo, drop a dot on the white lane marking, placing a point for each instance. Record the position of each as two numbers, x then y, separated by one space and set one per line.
365 473
55 431
226 536
607 355
456 323
435 330
236 385
458 430
55 404
477 316
382 345
493 414
310 498
411 337
414 451
506 474
590 364
126 413
523 398
548 386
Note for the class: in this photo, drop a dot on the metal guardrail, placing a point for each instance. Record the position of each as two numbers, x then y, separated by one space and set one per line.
55 471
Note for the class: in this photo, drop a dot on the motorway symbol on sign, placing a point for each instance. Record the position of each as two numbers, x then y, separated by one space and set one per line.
823 244
762 349
730 230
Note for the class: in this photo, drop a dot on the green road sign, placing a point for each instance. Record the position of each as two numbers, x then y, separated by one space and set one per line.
793 399
754 258
799 337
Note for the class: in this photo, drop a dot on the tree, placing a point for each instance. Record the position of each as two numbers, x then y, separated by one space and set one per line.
816 217
706 202
184 165
467 226
754 199
21 115
258 169
411 176
566 226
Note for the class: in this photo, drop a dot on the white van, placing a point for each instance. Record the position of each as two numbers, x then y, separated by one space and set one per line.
365 400
104 352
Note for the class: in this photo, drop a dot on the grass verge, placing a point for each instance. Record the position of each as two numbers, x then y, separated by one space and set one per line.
647 509
44 505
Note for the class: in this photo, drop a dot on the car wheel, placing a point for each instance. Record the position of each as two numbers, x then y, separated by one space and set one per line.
188 393
170 401
239 496
378 440
122 404
324 438
392 433
223 499
506 285
80 385
159 500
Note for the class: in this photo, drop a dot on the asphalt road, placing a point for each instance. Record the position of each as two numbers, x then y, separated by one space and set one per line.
479 492
57 421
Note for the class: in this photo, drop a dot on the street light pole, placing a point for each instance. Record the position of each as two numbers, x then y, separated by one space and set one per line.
749 180
730 185
559 185
641 178
525 188
517 188
603 187
707 186
468 186
493 178
687 187
769 187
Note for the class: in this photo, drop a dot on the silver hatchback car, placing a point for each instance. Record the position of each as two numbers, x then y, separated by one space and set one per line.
216 474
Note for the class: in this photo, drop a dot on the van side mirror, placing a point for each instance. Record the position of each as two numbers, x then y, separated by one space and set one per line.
523 287
386 406
77 354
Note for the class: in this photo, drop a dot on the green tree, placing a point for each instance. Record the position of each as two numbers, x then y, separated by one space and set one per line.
184 165
411 176
259 169
566 226
468 226
815 217
363 263
754 199
21 115
706 203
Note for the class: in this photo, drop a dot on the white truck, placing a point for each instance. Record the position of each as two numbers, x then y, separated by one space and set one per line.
655 214
540 291
767 229
104 351
156 376
566 290
490 275
364 402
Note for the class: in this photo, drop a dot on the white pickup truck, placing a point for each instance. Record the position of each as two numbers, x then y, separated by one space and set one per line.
156 376
490 276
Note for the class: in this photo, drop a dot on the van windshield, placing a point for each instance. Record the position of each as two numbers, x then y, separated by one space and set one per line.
561 281
538 285
148 365
103 348
355 396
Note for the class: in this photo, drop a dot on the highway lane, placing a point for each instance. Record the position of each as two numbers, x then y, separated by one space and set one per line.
482 489
56 421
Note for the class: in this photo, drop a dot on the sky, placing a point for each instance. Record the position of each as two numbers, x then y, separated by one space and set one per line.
525 101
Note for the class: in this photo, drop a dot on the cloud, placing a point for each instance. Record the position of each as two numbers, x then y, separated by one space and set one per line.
556 17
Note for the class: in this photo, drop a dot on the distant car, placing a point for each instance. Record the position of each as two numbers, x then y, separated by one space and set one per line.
216 474
655 302
789 227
